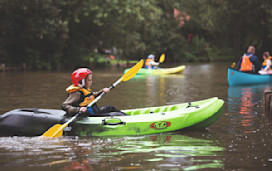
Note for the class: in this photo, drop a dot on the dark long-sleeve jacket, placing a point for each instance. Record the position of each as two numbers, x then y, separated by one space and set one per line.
71 104
253 59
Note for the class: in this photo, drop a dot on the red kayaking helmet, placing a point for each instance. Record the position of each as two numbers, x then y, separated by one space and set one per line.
80 74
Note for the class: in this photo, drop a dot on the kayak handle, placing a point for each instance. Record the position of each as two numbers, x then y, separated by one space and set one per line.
190 105
112 121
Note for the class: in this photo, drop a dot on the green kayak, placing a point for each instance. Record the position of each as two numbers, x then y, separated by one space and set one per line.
160 71
152 120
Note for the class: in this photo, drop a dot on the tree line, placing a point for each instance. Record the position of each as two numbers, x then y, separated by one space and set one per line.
53 34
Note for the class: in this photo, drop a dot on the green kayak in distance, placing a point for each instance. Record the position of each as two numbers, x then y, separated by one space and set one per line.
152 120
141 121
160 71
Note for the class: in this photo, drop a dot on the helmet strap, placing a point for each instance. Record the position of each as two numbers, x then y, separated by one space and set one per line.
81 83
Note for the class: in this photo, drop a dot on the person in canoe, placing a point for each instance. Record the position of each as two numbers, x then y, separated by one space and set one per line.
80 95
150 62
266 66
249 62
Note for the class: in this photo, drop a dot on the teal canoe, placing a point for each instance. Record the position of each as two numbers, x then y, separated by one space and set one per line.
160 71
237 78
142 121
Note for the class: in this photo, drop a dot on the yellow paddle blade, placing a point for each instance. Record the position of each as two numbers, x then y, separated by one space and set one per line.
55 131
233 65
162 58
132 71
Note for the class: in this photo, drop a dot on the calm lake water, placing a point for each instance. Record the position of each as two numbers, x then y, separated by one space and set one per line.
239 140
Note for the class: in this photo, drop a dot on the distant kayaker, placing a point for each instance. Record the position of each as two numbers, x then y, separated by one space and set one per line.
266 66
249 62
108 53
150 62
80 95
102 50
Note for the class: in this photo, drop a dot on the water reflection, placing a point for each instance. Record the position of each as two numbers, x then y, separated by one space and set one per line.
166 151
53 153
171 152
159 89
243 106
242 151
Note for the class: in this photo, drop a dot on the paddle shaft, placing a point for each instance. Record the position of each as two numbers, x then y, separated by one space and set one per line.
94 101
73 118
57 130
103 93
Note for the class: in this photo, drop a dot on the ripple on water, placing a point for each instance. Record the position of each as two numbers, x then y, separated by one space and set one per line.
162 151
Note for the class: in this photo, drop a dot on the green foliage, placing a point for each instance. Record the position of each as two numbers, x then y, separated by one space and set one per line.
27 29
196 51
33 56
53 34
231 24
98 60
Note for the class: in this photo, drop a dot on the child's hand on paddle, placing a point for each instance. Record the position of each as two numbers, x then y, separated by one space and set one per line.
106 90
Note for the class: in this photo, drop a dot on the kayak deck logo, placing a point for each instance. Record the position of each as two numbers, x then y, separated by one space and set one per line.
160 125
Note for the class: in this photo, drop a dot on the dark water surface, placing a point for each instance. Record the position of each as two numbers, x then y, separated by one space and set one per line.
240 140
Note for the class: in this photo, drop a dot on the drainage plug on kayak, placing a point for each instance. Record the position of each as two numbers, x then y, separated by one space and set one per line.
112 121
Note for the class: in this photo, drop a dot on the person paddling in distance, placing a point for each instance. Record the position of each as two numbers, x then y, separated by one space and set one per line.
249 62
150 62
267 67
80 95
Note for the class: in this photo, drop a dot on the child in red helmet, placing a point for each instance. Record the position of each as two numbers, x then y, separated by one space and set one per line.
80 95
